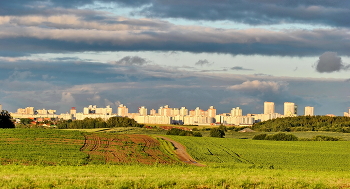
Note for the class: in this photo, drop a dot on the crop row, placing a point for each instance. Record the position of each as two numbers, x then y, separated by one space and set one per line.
41 146
306 155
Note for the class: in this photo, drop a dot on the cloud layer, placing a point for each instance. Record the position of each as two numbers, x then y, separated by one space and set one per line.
323 12
67 29
32 28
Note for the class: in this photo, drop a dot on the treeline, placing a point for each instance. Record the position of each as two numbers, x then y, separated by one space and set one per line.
290 137
305 123
180 132
90 123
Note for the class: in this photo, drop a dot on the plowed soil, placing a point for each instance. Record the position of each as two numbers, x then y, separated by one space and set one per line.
124 149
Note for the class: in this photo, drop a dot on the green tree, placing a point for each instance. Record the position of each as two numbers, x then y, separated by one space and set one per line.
6 120
216 132
26 121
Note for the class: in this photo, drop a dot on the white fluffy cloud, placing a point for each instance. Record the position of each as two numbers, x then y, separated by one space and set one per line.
257 86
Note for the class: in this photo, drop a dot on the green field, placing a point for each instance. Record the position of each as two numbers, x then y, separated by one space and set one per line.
41 147
44 158
303 155
137 176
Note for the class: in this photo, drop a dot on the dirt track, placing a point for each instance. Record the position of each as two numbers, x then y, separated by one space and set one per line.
182 153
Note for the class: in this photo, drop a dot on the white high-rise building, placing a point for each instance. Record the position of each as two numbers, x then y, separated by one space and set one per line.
183 111
197 111
143 111
175 112
27 110
309 111
152 112
269 107
236 112
123 111
290 109
347 114
0 108
211 111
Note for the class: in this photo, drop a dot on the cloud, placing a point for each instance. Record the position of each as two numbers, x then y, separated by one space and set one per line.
256 86
203 62
329 13
132 60
24 35
330 62
240 68
333 13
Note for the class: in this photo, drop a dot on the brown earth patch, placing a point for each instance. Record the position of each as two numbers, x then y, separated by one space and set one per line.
116 148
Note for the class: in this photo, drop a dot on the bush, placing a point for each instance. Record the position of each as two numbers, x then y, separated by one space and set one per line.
282 137
180 132
6 120
325 138
259 137
223 128
216 132
173 131
197 134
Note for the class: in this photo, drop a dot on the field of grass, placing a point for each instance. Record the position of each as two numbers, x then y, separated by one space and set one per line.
41 146
302 155
138 176
44 158
229 133
306 134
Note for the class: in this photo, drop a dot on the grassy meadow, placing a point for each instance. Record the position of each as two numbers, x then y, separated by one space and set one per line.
44 158
141 176
299 155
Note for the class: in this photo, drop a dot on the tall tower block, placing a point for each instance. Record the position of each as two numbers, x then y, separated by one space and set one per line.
309 111
269 107
290 109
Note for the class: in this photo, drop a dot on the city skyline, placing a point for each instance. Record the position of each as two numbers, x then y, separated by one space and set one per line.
290 109
60 54
170 115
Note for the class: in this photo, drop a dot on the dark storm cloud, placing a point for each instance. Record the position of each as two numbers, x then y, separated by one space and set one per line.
289 43
240 68
204 62
253 12
12 53
73 73
330 62
59 27
132 60
326 12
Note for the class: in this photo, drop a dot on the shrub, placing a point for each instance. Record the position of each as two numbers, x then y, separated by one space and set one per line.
173 131
6 120
223 128
216 132
197 134
325 138
282 137
259 137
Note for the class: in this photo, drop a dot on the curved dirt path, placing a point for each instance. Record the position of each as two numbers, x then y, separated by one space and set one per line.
181 153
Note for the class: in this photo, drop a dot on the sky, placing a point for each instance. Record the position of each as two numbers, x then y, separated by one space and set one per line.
58 54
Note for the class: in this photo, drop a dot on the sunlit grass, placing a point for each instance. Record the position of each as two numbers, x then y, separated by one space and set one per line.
160 176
